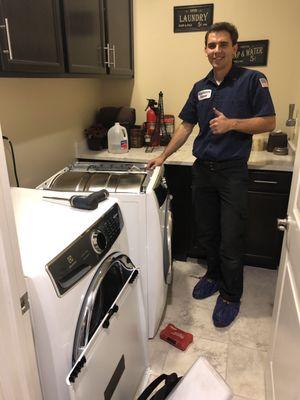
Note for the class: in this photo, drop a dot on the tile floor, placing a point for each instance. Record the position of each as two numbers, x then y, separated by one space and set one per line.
238 352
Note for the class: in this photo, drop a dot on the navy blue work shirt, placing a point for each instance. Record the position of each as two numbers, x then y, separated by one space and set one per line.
243 93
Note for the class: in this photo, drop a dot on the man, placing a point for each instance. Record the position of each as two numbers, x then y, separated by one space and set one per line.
230 105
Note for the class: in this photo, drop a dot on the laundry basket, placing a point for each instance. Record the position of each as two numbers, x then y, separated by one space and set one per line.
201 382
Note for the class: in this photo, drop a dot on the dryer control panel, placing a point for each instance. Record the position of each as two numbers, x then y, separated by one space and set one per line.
85 253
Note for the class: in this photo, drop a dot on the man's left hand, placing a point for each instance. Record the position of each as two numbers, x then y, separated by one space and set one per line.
220 124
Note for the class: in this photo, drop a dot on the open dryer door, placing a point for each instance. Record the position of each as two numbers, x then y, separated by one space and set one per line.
110 350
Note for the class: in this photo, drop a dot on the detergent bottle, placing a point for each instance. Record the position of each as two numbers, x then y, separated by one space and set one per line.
117 139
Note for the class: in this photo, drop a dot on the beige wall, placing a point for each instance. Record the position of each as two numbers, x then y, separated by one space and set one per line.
297 116
44 117
172 62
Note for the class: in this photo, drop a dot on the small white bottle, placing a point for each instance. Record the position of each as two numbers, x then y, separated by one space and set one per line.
117 139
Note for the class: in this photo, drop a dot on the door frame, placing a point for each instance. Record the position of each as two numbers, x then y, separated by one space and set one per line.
282 272
18 369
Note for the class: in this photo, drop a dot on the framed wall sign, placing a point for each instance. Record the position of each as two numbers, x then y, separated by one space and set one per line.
193 18
252 53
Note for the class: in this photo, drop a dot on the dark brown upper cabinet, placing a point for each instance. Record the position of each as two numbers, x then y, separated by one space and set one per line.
119 37
30 36
64 37
84 27
99 36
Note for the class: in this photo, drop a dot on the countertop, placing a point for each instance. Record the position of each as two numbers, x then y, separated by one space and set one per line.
258 159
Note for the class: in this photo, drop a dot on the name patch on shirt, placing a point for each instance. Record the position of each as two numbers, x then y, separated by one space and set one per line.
263 82
204 94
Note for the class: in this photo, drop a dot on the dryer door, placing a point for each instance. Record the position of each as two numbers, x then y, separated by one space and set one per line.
110 346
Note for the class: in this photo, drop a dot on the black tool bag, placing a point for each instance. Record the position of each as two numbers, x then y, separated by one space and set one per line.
162 393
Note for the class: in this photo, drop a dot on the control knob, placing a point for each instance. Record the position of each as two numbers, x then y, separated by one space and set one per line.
98 240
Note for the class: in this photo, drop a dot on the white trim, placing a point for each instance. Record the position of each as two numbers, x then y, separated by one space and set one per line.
18 369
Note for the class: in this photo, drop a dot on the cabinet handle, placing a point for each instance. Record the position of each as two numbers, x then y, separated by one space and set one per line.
283 223
113 49
110 49
269 182
108 63
9 51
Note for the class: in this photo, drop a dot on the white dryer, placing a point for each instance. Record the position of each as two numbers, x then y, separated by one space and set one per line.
145 205
85 297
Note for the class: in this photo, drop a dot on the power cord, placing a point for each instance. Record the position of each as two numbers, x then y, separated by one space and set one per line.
13 158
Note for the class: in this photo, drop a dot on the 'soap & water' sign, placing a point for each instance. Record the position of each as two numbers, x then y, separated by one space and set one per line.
252 53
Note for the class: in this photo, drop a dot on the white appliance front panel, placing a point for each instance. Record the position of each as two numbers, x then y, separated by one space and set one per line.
44 230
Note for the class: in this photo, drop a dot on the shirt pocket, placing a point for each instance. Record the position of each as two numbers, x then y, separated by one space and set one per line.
204 111
240 108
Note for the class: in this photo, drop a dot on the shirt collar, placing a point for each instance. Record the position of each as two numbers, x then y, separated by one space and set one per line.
232 74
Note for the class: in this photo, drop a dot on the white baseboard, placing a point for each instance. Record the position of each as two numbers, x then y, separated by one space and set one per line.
269 383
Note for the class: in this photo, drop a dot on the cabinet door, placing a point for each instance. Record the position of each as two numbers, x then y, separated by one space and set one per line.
263 239
268 200
119 36
31 36
84 22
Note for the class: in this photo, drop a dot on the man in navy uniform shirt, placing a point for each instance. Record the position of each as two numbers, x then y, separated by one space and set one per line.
230 105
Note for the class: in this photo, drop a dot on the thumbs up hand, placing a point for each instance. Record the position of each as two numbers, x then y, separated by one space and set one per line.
220 124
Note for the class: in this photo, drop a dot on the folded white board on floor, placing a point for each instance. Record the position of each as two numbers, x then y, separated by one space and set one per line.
201 382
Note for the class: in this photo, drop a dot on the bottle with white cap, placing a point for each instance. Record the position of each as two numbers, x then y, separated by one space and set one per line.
117 139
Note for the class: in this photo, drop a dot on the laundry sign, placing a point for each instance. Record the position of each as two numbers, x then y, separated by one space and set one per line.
252 53
193 18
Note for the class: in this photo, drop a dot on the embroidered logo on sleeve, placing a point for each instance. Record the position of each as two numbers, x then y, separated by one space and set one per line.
263 82
204 94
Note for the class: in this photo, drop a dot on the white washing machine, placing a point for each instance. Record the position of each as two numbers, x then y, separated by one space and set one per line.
85 298
145 205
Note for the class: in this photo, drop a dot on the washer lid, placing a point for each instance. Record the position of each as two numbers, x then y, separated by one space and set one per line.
45 228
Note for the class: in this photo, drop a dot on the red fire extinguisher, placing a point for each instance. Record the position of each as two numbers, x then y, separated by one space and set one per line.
150 122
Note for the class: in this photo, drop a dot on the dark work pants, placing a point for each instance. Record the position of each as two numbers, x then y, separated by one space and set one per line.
220 191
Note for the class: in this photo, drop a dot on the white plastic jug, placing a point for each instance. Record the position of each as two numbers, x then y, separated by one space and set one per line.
117 139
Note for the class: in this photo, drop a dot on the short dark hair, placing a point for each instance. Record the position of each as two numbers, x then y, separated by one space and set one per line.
223 26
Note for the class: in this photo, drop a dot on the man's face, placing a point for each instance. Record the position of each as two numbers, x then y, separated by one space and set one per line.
220 50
